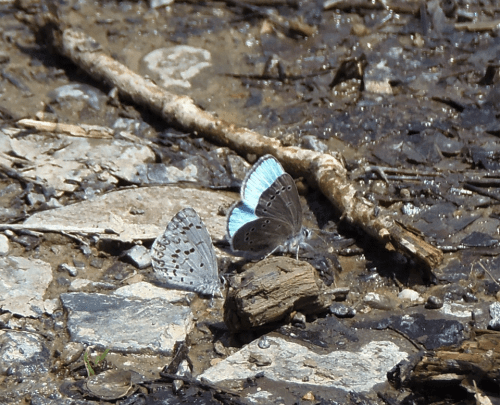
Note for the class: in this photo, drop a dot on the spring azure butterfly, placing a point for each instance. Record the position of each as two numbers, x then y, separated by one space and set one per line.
183 257
269 215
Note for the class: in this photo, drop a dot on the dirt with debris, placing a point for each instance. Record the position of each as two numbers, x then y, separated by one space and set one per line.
404 94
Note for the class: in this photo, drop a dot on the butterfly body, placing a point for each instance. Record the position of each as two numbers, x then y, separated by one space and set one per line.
269 215
183 257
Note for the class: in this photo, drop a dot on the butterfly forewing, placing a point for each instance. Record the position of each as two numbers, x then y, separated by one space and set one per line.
281 201
183 257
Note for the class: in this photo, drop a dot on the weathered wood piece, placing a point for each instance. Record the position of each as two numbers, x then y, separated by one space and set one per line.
325 171
270 290
476 360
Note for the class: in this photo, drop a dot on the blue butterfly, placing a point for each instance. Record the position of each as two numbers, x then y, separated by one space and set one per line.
269 215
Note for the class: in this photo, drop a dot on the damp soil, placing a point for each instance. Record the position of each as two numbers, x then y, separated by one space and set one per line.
407 95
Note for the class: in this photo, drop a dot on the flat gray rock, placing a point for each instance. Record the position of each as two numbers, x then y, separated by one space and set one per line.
23 283
125 324
291 362
118 211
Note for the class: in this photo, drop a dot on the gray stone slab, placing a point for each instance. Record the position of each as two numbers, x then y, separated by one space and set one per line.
125 324
294 363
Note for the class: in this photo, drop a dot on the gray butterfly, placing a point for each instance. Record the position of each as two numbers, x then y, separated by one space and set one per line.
183 256
269 215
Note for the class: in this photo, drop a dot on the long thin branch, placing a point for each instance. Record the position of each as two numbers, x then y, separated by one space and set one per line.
57 228
323 170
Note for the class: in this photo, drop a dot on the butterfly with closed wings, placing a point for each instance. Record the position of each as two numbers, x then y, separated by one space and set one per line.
183 257
269 215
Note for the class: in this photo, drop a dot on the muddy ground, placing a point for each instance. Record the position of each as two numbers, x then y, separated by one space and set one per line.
406 92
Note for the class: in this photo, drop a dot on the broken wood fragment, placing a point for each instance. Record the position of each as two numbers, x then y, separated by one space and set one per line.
476 360
270 290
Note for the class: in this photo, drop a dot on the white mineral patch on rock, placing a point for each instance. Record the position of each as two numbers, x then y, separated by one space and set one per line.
175 66
294 363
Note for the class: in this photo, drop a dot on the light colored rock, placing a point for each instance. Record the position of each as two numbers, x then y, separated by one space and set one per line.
377 78
149 291
460 310
139 256
379 301
159 3
160 204
23 283
411 295
495 316
294 363
82 284
4 245
72 156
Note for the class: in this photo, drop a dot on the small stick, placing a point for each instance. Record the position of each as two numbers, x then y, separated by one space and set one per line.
57 228
83 130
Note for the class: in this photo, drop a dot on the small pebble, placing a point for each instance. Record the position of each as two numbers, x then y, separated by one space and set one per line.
405 193
495 316
86 250
469 297
264 343
97 262
342 311
434 302
139 256
78 264
4 245
71 352
299 320
378 301
72 271
409 294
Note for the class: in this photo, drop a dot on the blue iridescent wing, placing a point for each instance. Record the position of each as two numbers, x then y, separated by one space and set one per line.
183 256
260 177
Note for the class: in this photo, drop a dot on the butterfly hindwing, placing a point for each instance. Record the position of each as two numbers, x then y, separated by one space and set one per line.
262 235
183 256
